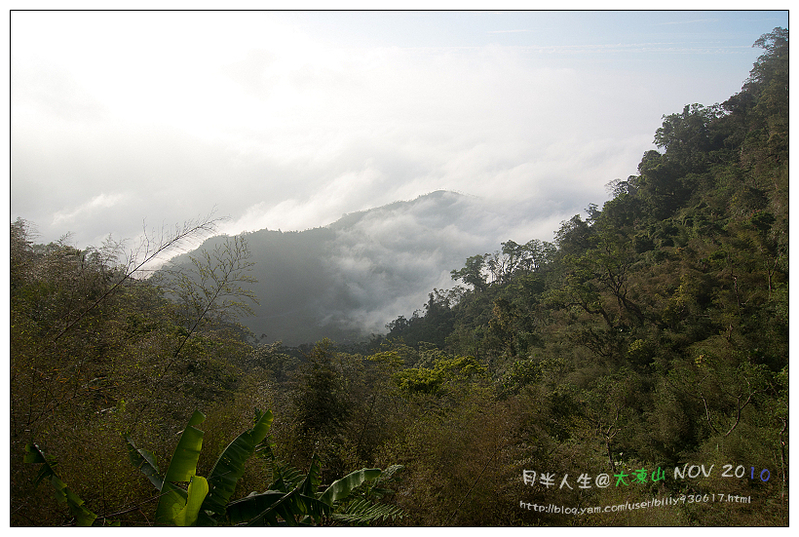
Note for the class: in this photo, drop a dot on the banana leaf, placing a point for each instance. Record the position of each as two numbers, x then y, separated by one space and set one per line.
63 494
144 461
276 508
182 468
299 506
229 467
198 489
341 488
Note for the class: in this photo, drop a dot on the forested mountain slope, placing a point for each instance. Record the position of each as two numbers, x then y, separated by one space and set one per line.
633 372
657 329
693 249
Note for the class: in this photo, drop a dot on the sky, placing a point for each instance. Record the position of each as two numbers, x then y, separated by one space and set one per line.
129 120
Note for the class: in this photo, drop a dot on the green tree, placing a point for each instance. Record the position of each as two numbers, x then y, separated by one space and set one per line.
320 396
472 273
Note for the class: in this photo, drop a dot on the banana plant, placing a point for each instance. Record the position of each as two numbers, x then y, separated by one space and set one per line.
63 494
204 500
186 499
176 505
292 499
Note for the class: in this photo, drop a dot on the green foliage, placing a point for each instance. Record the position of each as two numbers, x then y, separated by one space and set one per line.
176 506
321 399
63 494
292 499
229 467
445 375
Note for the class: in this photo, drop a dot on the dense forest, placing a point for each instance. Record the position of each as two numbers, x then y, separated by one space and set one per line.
633 372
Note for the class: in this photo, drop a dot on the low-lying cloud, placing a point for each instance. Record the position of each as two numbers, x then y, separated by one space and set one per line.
276 126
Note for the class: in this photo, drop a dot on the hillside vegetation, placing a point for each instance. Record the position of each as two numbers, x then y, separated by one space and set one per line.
633 372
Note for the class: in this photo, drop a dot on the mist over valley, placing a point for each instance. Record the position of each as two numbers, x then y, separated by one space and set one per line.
347 280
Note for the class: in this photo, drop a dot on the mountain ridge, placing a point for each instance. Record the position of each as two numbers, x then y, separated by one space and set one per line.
348 279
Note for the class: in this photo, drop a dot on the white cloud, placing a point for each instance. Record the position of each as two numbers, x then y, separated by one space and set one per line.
281 126
90 209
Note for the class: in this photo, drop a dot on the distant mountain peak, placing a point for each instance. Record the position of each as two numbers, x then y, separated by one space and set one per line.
440 196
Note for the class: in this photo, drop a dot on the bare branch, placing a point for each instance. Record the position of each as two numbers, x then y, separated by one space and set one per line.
146 254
